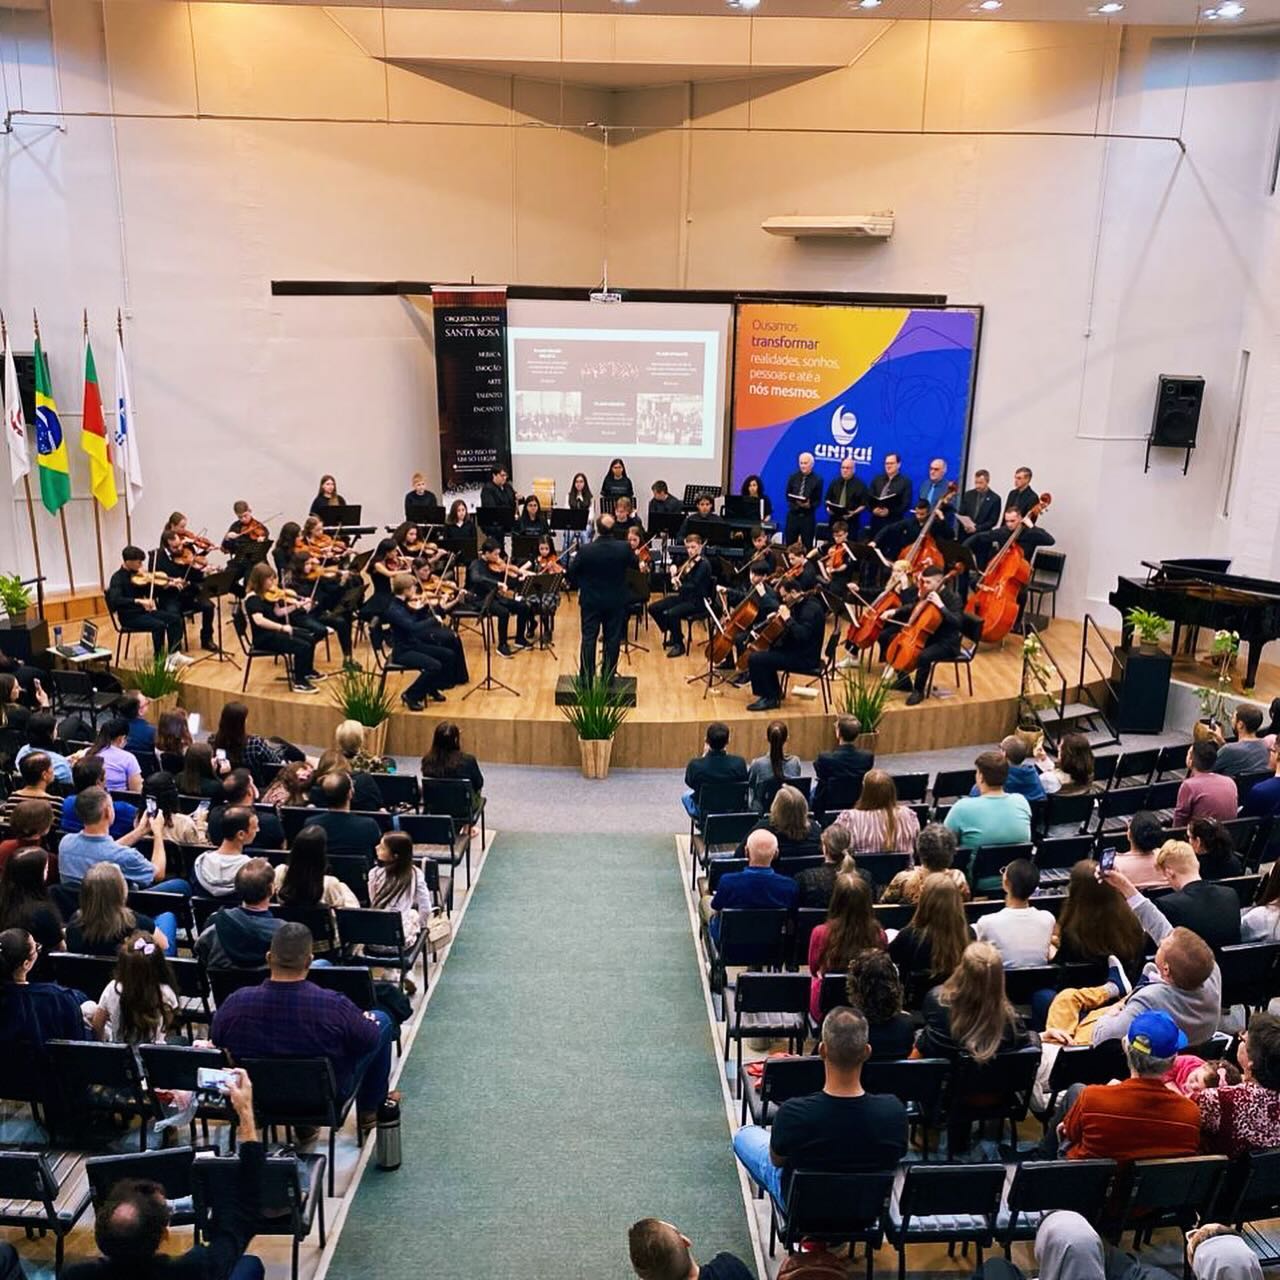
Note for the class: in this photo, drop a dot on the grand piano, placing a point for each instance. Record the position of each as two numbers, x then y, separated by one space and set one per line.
1202 593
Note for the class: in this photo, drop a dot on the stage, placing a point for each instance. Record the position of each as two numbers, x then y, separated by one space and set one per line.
665 729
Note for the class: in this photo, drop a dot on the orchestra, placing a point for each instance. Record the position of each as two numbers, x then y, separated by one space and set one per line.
904 582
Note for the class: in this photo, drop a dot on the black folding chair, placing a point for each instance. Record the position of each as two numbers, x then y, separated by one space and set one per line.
318 919
224 982
381 934
153 904
988 864
43 1191
804 921
947 1203
86 974
913 787
772 1006
1056 857
96 1080
1249 976
170 1169
1165 1193
996 1090
832 1207
780 1079
1083 1064
1163 796
880 868
177 1066
720 831
1117 806
439 831
841 793
918 1083
1022 983
398 790
1171 759
952 784
456 798
1040 1187
749 938
1134 768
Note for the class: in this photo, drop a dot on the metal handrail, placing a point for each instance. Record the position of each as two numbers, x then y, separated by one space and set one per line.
1085 655
1030 630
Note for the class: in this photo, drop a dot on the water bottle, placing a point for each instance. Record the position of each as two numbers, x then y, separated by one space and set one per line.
57 637
387 1151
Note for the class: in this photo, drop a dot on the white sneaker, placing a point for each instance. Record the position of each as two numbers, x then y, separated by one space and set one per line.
178 660
847 663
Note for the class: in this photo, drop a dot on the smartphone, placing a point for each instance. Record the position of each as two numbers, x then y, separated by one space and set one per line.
203 806
215 1079
220 754
193 723
1106 861
152 810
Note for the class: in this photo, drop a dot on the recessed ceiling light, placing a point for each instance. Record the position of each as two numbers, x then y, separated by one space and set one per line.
1112 6
744 4
991 5
1231 9
869 4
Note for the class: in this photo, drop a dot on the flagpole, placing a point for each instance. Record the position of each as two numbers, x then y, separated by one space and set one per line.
128 495
62 513
93 497
26 479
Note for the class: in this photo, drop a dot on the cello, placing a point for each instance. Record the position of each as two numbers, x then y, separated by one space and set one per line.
995 598
922 553
903 653
721 645
771 630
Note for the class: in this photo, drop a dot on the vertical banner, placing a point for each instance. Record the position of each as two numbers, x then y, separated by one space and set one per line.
850 382
471 383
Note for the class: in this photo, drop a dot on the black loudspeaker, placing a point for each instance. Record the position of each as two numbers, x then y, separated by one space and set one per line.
1177 415
25 368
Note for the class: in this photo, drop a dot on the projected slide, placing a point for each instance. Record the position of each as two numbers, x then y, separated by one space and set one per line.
601 392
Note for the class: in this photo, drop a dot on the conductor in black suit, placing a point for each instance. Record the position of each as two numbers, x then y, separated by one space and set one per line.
599 572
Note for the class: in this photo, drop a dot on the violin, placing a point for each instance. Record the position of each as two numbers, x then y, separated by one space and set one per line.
320 573
721 645
277 595
155 579
903 653
837 558
996 597
195 541
255 529
550 564
186 555
790 574
438 591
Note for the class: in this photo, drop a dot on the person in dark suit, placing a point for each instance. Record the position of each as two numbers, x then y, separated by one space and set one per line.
695 580
804 492
943 645
715 764
890 494
979 507
799 648
934 492
846 765
599 572
848 499
1022 495
347 831
496 493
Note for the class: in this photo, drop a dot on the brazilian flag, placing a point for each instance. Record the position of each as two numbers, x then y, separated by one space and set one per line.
51 444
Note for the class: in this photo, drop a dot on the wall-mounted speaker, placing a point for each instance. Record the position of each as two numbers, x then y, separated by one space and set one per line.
1177 414
25 368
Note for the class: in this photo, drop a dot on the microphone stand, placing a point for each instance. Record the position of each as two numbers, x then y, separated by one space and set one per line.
487 624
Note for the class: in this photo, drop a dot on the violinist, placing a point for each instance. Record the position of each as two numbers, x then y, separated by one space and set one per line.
409 540
196 541
836 565
801 570
318 543
241 539
327 495
531 522
848 499
419 497
491 576
985 545
178 560
269 610
890 494
548 561
545 603
386 563
306 577
138 608
763 549
413 645
798 648
944 644
694 581
287 545
640 549
893 539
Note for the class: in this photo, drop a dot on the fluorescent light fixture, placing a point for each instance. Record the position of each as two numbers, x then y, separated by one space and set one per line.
991 5
1112 6
1230 9
869 4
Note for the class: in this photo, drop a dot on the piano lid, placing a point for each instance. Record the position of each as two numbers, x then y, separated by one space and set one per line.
1210 577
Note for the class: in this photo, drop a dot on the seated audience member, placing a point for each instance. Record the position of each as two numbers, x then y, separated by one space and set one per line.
788 821
240 791
1263 798
36 772
365 793
1235 1118
173 737
216 869
288 1017
849 929
970 1013
875 991
25 904
131 1225
930 947
842 1129
349 738
993 816
244 750
815 883
138 1004
935 850
1138 1118
32 1013
1248 753
1183 981
767 773
178 826
122 771
1019 932
1191 1073
303 879
140 735
847 764
1023 778
659 1252
715 764
91 772
1211 910
291 786
1261 922
1206 793
878 823
1073 769
197 776
396 883
446 758
1214 848
40 729
30 822
79 851
238 937
104 920
759 886
1095 924
1138 862
347 831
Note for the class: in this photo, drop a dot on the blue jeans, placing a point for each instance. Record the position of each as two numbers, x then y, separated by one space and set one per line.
171 886
690 805
248 1268
167 923
373 1070
751 1146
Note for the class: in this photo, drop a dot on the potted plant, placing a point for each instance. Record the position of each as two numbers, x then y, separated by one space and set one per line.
596 714
160 685
15 597
865 697
1036 694
1151 628
360 695
1213 697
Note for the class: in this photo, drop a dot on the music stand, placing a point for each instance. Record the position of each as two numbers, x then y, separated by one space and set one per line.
490 681
666 524
544 585
710 676
569 519
211 590
692 492
640 585
737 506
340 517
423 512
524 547
715 532
496 522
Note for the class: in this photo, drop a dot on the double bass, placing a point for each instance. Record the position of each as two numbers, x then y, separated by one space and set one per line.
903 653
995 598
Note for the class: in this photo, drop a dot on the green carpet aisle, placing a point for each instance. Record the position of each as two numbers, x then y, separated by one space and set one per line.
563 1084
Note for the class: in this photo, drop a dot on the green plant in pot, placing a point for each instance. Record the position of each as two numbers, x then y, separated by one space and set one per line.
361 696
1213 698
864 696
153 678
1151 627
596 714
15 598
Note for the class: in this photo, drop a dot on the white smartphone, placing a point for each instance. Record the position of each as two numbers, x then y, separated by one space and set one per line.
152 810
220 754
215 1079
193 723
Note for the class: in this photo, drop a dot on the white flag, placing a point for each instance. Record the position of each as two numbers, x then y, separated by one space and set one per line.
15 426
127 432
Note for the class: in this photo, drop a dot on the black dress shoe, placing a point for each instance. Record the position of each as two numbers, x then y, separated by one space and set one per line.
412 704
915 699
436 696
764 704
902 684
675 651
741 679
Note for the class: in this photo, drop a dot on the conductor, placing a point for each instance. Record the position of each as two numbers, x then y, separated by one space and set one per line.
599 572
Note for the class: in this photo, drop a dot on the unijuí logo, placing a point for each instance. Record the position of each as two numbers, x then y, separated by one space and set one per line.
844 425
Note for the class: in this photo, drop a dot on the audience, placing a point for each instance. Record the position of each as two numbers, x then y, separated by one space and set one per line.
349 738
875 991
197 777
25 904
238 937
177 826
1073 770
814 884
788 821
138 1004
767 773
970 1013
1263 798
303 879
291 786
91 772
850 929
878 823
1214 848
40 729
31 1013
1095 925
715 764
104 920
847 765
1261 922
446 758
1019 931
216 869
992 816
930 947
238 790
396 883
241 749
80 850
759 885
1023 778
1211 910
139 734
1206 793
172 740
121 771
841 1129
1248 754
659 1252
30 822
1235 1118
347 832
366 796
936 850
36 772
1138 863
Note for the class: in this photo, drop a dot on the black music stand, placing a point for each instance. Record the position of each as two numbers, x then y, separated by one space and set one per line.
737 506
666 524
545 585
423 513
692 492
524 548
487 624
640 584
711 678
211 590
495 522
569 519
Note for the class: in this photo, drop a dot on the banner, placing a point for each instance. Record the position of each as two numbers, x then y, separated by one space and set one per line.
846 381
471 384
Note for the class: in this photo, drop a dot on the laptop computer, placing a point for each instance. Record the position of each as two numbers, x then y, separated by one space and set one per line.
86 645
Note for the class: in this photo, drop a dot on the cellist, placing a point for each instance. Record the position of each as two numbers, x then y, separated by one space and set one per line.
797 649
985 545
895 538
945 643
